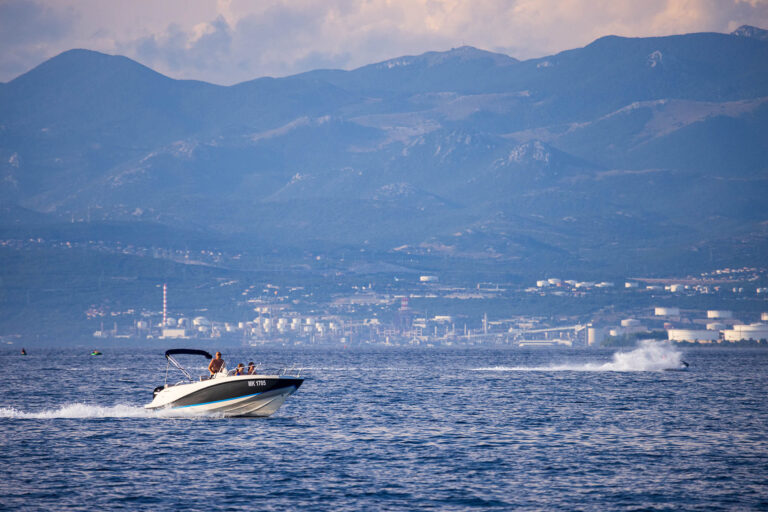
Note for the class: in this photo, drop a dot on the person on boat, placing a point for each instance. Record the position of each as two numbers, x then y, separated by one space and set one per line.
240 370
251 368
24 352
216 364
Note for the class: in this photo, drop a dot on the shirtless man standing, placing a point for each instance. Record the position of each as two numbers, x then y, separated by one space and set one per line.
216 364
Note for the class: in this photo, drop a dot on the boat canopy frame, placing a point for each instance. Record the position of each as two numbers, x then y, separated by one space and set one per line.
171 360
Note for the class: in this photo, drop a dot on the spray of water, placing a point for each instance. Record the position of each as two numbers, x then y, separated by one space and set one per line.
95 411
651 355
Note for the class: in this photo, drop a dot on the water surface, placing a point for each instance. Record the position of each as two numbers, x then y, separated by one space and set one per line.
396 430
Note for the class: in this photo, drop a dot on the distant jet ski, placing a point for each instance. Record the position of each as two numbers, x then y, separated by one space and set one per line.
95 353
682 368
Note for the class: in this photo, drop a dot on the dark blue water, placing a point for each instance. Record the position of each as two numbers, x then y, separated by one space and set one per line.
396 430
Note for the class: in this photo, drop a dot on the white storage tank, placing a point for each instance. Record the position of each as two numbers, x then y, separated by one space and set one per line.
693 335
747 332
666 311
717 313
631 284
716 326
542 283
764 317
630 322
595 336
554 281
200 320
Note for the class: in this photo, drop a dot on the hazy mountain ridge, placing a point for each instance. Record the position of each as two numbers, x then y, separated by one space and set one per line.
624 140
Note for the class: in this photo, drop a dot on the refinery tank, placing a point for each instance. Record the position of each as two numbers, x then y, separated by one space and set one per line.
693 335
630 322
764 317
718 313
716 326
666 311
201 321
595 336
747 332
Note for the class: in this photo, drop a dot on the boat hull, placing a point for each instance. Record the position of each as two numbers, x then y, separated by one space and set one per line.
246 395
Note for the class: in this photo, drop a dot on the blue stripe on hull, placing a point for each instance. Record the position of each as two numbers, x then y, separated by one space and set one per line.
217 401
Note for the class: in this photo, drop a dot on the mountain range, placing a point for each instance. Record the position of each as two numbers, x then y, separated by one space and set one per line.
626 155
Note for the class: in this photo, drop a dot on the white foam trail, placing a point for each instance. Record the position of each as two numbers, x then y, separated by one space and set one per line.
95 411
651 355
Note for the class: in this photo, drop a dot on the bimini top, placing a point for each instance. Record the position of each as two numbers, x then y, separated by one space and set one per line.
190 351
169 356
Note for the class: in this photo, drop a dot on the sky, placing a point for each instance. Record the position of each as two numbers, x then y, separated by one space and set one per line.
230 41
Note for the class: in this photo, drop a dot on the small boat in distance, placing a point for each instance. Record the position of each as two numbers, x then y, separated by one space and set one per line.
95 353
225 392
23 352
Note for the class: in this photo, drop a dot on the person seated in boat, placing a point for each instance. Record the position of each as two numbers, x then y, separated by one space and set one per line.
216 364
251 368
240 370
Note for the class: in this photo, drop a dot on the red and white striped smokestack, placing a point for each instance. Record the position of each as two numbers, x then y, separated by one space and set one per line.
165 303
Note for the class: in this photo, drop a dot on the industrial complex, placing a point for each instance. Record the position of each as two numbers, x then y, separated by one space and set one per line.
365 315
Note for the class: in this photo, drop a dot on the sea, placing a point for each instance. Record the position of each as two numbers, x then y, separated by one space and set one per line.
395 429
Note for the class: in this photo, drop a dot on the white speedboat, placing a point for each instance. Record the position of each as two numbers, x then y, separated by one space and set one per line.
224 393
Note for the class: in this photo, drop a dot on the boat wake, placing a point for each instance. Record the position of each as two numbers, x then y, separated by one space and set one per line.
649 356
96 411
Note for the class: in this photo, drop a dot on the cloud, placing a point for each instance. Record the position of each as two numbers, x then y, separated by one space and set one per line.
27 28
235 40
205 48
